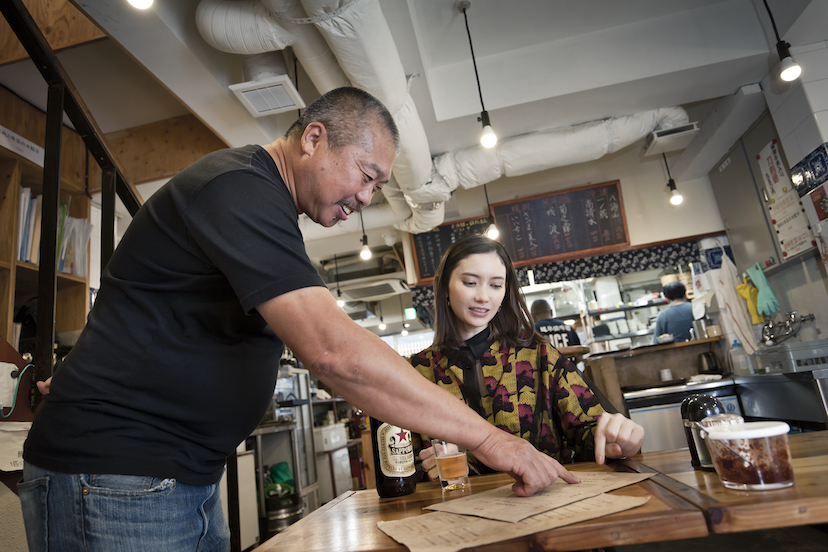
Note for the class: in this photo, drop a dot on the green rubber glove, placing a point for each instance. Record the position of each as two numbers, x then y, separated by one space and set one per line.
766 302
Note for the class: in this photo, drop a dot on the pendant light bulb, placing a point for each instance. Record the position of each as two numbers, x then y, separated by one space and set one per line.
141 4
339 300
382 325
675 197
492 232
789 69
404 333
489 138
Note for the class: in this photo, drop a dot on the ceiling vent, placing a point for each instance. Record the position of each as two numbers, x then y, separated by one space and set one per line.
670 139
268 96
372 288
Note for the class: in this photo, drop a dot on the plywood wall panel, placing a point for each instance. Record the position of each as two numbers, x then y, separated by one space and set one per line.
61 23
162 149
29 122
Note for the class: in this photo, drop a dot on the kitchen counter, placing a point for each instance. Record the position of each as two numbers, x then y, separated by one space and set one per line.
652 349
679 389
641 366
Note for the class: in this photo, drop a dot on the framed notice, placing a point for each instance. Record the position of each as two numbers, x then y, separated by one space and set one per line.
430 246
572 223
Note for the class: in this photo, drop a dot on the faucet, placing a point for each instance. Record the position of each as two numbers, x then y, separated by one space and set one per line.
770 335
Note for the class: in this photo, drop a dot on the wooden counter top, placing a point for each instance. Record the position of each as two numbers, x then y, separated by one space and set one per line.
729 511
349 522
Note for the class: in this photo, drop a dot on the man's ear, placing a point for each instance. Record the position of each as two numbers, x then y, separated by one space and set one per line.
314 137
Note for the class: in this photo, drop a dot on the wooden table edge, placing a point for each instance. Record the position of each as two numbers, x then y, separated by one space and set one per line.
275 540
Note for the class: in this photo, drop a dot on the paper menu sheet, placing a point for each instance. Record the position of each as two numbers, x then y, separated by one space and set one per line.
442 532
502 504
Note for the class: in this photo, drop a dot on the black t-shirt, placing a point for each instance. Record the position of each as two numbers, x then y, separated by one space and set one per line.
559 334
175 366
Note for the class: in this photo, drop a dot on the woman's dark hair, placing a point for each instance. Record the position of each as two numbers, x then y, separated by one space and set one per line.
512 324
349 115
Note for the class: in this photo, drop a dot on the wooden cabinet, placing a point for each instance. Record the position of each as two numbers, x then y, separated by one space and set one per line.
19 279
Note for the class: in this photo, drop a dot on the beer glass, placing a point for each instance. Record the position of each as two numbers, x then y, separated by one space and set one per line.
451 465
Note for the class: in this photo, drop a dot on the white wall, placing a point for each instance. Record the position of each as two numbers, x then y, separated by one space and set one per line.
650 216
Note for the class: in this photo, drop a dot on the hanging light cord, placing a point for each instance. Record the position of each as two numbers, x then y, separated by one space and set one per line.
773 23
336 275
476 77
670 176
488 205
361 222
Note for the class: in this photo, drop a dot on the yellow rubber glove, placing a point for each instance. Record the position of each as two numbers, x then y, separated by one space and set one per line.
750 294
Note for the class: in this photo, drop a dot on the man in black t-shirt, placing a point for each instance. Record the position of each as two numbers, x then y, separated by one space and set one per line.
559 333
179 357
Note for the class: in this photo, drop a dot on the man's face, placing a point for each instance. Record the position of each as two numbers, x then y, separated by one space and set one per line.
335 184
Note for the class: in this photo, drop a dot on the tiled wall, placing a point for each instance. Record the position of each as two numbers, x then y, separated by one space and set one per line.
800 109
800 113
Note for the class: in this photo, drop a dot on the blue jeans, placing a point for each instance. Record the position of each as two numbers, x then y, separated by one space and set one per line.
119 513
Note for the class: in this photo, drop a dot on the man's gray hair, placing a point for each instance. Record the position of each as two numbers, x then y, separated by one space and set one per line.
349 115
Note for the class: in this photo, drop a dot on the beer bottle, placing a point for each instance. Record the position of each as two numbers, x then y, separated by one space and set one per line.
393 450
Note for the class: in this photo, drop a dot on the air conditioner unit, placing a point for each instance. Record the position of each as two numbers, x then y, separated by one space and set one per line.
372 288
670 139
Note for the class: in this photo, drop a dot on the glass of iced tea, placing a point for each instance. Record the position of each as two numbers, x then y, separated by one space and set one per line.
451 465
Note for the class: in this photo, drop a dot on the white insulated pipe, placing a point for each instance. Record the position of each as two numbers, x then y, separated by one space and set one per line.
310 47
240 27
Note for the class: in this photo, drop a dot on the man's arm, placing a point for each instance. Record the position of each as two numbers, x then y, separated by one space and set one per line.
373 377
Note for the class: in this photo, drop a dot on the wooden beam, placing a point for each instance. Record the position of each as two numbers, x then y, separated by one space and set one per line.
61 23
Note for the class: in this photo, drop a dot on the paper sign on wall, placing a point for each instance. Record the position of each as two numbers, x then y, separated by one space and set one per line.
791 224
774 174
817 210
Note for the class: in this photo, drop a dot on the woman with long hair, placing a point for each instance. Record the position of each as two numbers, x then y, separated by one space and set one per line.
486 352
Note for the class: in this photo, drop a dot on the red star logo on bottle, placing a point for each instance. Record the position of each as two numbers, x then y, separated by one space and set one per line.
403 435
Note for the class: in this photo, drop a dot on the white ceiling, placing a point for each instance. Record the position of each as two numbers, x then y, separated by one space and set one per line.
542 63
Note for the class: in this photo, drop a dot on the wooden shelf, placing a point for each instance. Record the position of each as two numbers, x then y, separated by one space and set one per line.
628 307
19 279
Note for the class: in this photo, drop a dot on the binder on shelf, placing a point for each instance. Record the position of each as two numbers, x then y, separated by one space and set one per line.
22 222
33 203
34 250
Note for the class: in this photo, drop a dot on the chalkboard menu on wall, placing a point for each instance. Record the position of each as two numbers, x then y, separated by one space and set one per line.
564 224
430 246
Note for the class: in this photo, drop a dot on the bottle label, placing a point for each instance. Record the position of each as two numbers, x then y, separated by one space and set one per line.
396 452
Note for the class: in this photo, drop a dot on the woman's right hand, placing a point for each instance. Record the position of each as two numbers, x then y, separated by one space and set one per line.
43 386
429 463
